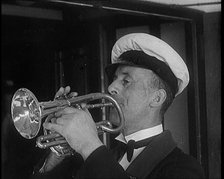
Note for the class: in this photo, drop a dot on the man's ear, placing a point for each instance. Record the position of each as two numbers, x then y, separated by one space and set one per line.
159 97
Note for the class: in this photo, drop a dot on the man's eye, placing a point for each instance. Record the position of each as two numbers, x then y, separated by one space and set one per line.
114 77
125 82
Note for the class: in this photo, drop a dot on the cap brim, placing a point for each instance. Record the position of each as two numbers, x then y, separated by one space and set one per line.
111 69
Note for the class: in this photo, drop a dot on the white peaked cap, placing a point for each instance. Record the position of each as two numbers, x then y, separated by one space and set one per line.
154 47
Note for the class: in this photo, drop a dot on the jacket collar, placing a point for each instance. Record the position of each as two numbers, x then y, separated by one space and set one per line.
160 146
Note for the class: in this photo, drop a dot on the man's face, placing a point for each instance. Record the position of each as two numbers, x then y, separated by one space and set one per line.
131 88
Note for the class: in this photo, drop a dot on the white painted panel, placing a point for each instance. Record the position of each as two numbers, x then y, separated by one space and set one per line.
201 5
31 12
208 8
180 2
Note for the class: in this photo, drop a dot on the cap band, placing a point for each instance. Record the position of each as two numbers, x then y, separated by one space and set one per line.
140 59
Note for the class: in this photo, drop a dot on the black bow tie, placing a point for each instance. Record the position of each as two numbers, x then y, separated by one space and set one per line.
129 147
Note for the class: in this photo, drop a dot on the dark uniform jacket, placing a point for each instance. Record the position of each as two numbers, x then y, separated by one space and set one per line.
161 159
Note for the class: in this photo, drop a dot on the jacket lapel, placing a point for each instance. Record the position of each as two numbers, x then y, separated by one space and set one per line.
157 150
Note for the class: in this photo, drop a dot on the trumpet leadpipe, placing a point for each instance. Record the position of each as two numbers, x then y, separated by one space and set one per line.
98 105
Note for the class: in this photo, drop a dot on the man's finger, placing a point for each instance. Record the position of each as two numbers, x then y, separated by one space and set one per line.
67 110
60 120
53 127
73 94
67 90
59 93
53 120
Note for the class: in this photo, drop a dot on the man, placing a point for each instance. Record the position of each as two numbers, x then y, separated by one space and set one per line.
147 75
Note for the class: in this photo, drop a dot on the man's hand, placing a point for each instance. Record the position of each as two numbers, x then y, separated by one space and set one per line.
65 92
78 128
53 159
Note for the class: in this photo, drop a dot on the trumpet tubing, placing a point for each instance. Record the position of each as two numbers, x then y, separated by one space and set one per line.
27 114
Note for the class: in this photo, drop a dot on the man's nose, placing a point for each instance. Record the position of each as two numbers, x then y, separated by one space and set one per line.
113 88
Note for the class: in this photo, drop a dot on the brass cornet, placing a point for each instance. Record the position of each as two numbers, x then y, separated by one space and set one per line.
27 114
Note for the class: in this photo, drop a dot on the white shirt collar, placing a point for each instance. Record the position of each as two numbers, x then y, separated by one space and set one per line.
142 134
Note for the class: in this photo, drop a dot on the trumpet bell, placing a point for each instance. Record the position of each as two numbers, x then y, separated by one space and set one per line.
26 113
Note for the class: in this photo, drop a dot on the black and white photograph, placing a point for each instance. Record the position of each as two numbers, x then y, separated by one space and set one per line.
111 89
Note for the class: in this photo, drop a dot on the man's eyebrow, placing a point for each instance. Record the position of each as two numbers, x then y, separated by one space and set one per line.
125 73
122 73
